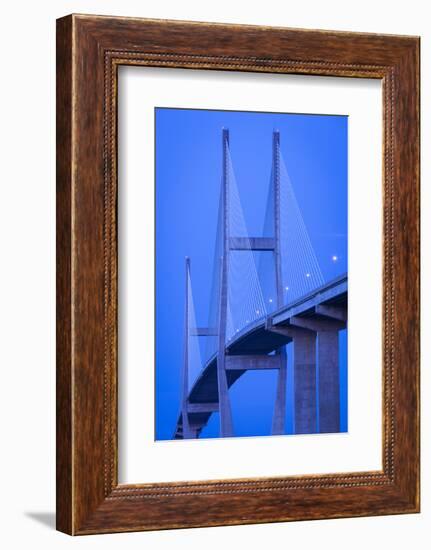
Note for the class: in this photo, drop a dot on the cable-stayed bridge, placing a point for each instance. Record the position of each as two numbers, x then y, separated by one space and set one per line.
267 291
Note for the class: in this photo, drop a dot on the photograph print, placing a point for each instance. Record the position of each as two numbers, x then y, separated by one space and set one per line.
251 274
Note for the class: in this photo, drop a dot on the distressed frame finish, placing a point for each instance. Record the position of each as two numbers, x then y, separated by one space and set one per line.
89 51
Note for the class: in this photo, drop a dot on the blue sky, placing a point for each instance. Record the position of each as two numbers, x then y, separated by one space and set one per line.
188 172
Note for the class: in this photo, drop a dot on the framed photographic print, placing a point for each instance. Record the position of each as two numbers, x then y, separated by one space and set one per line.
237 274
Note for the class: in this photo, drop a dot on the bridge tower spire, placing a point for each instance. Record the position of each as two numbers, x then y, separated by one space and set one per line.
278 421
187 431
226 427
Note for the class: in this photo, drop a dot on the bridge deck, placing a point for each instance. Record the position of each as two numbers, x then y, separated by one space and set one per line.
256 339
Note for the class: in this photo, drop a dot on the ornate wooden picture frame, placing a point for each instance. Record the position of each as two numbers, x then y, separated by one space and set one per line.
89 51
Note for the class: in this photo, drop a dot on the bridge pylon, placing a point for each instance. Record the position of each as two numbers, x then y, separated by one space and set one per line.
225 412
279 418
263 244
188 432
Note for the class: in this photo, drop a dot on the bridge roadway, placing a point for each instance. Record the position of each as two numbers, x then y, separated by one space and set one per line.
251 346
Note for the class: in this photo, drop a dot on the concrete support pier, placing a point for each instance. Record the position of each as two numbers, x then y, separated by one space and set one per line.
327 356
304 365
329 381
278 419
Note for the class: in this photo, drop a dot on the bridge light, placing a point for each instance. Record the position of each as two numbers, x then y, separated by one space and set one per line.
307 275
334 258
257 311
287 288
270 300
